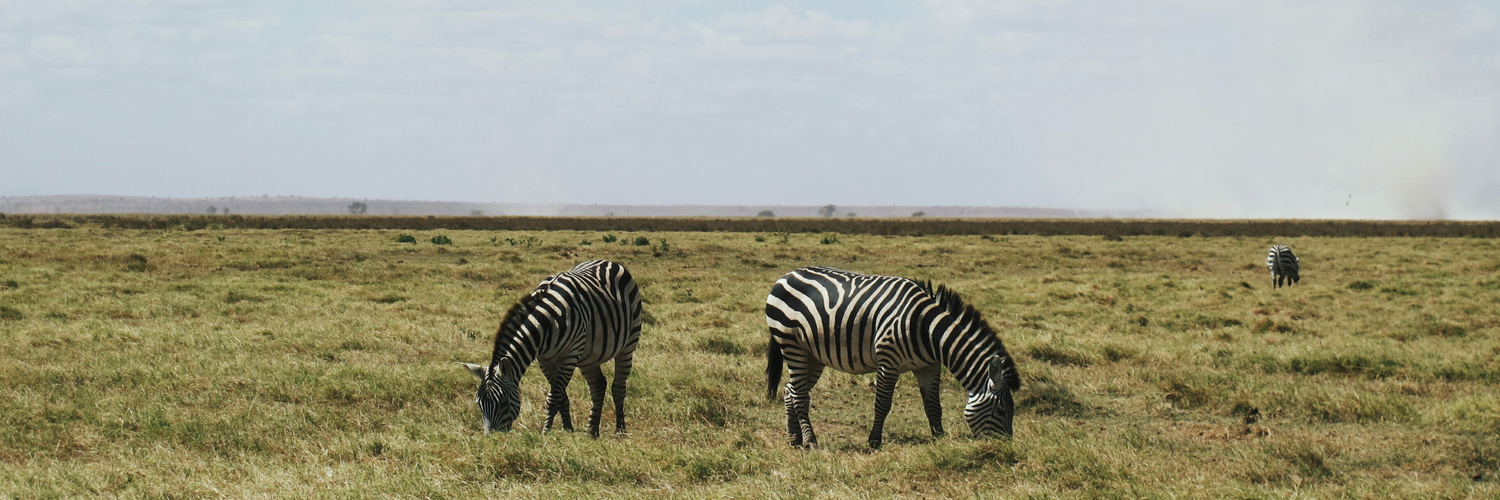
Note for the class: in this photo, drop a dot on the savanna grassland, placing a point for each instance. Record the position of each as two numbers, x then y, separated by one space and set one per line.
295 362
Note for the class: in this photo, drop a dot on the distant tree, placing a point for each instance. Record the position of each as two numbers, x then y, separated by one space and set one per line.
358 208
226 210
919 214
476 213
766 213
212 210
850 214
828 211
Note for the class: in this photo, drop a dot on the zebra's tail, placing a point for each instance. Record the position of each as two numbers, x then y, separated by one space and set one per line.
773 369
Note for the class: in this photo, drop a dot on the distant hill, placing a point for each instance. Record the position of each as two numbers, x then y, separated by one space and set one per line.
297 205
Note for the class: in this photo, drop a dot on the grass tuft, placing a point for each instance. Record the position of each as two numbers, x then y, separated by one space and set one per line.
1059 355
717 345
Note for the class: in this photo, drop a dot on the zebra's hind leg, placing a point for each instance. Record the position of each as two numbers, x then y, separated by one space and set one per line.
885 387
798 402
623 364
929 380
793 421
597 387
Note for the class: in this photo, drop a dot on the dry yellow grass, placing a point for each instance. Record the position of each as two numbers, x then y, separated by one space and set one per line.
319 362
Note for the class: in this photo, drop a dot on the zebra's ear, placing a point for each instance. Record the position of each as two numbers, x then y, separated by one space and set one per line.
477 370
997 371
504 366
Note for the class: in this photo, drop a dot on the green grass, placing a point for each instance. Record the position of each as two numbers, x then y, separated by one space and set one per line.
295 362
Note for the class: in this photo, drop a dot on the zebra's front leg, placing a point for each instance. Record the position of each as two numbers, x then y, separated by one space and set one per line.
885 387
930 381
557 397
597 387
798 402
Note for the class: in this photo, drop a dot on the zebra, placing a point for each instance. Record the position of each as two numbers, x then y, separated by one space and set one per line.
578 319
1283 266
858 323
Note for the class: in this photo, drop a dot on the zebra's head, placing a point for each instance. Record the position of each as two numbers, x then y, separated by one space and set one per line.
499 397
991 409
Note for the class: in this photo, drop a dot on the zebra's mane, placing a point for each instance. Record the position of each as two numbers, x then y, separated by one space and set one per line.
950 301
925 285
957 306
515 317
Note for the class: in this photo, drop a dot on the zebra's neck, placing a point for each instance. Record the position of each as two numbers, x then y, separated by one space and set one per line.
964 343
522 338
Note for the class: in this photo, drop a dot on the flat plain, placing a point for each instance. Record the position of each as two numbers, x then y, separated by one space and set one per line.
247 362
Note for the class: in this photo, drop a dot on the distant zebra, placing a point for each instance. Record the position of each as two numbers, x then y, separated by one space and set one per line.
860 323
578 319
1283 266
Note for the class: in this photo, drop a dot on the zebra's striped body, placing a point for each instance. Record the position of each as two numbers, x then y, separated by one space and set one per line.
857 323
1283 266
578 319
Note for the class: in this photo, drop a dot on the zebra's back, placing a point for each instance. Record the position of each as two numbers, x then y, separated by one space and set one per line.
844 319
604 304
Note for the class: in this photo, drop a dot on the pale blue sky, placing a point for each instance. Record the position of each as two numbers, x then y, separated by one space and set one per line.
1212 109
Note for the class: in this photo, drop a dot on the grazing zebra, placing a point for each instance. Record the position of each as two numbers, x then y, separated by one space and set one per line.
857 323
578 319
1283 266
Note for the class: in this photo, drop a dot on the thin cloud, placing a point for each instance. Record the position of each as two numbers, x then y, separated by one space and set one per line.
1382 109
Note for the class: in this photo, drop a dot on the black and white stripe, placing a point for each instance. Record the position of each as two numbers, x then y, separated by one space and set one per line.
1283 266
857 323
578 319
